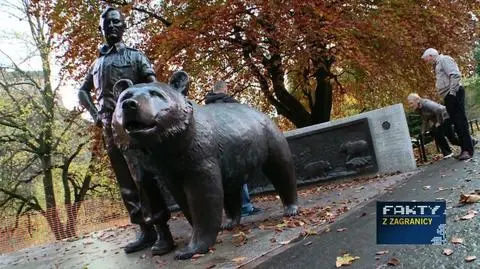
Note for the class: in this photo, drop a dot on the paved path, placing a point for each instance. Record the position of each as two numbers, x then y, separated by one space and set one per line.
446 179
258 235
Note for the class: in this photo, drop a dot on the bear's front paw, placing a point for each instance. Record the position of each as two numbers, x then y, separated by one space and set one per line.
229 224
290 210
188 252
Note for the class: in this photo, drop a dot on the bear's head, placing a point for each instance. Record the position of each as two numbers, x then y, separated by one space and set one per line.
149 112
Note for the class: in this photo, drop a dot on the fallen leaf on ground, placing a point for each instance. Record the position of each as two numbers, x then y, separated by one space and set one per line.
346 259
456 240
447 252
197 256
470 215
239 259
427 187
470 258
341 229
381 252
239 239
469 198
309 232
393 261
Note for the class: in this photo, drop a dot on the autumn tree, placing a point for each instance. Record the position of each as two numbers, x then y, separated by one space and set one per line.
302 58
43 144
472 86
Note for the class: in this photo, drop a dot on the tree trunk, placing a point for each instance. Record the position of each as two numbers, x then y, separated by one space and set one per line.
71 227
323 96
51 212
292 109
72 213
55 224
72 209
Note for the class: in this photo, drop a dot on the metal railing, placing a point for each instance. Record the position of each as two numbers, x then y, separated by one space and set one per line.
471 122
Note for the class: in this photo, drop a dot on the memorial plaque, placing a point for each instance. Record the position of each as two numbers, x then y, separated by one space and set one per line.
335 151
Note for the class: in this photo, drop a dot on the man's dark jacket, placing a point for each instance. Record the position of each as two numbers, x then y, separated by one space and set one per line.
219 98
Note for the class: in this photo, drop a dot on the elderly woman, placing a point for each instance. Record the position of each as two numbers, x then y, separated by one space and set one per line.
435 117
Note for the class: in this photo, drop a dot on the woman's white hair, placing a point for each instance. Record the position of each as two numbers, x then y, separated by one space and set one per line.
413 97
220 86
430 52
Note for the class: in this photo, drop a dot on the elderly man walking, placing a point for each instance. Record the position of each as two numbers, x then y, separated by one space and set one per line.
449 87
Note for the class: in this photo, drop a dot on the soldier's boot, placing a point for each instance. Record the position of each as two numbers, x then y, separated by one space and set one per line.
145 238
164 243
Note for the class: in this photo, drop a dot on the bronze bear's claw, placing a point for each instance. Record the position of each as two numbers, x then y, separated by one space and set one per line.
228 225
290 210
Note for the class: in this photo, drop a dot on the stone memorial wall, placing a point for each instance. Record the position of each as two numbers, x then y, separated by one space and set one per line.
376 141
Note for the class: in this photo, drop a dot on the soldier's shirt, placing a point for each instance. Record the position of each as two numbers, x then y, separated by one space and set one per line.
115 63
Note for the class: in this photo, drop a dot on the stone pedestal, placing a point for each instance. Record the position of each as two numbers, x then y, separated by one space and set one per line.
370 142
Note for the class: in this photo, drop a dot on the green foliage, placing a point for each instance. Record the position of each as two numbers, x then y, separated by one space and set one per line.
476 57
414 122
472 96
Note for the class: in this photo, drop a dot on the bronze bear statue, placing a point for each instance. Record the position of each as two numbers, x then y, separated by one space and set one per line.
203 154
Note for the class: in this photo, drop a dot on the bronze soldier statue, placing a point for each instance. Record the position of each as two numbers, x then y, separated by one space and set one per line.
117 61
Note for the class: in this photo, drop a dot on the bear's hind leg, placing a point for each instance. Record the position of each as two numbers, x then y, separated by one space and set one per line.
233 207
280 171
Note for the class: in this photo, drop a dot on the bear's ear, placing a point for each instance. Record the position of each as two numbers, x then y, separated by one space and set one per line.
121 85
180 81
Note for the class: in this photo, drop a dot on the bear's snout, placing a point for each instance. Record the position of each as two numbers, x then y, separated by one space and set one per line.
130 105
